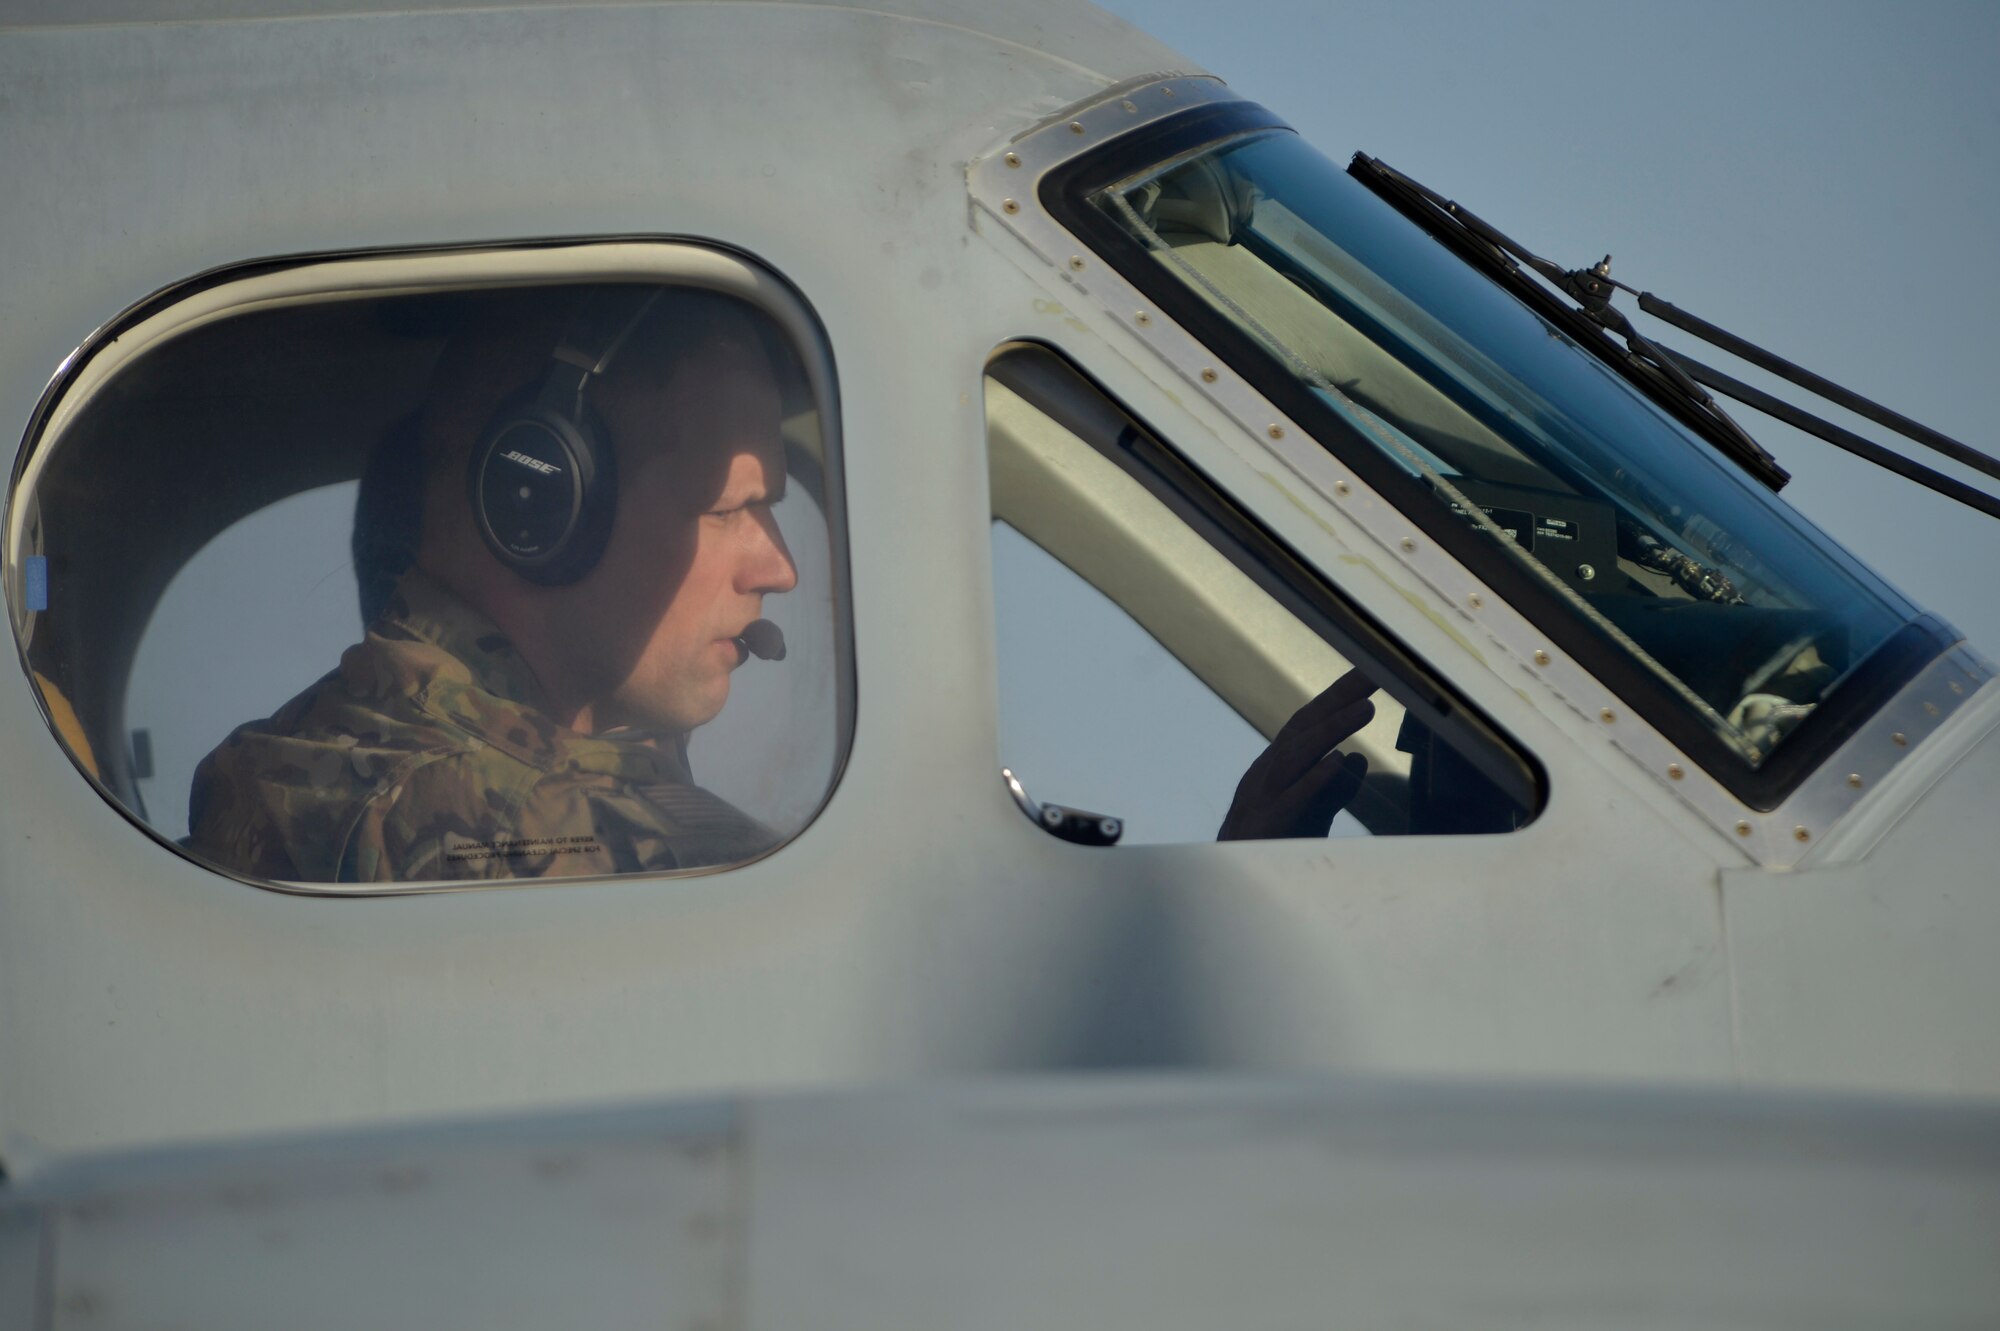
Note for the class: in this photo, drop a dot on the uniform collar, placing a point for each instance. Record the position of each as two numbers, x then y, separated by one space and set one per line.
484 685
424 609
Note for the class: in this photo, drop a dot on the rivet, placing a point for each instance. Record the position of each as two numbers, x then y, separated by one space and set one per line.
1076 263
1541 658
1013 159
1854 779
1208 376
1275 431
1800 834
1129 105
1142 318
1475 600
1009 206
1409 546
1606 715
1742 829
1675 771
1340 487
1076 127
1900 740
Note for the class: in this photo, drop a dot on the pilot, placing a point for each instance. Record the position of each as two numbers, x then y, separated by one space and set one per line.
590 561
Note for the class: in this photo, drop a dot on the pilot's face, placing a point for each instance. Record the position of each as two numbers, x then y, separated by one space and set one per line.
694 547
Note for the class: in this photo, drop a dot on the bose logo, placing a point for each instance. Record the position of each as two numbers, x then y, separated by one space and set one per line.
534 464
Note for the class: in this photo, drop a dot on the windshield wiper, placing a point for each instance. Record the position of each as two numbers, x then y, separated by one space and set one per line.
1675 377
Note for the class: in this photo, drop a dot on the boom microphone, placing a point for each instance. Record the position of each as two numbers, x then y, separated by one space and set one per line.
763 640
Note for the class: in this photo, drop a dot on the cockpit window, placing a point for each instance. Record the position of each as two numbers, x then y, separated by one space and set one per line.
1167 662
1744 616
475 580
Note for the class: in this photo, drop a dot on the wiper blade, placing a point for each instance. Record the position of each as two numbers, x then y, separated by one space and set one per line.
1674 372
1591 289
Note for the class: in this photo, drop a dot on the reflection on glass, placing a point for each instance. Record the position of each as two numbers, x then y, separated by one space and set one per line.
1747 614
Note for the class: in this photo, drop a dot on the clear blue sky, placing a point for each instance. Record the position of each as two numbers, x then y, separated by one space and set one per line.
1822 178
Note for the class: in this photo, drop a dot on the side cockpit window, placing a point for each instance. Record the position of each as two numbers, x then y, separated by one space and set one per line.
1168 665
438 568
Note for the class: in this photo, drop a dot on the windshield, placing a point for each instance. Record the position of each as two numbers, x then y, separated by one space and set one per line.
1746 614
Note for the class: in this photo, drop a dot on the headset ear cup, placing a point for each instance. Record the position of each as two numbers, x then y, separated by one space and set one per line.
543 490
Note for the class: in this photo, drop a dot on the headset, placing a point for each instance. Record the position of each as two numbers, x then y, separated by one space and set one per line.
543 480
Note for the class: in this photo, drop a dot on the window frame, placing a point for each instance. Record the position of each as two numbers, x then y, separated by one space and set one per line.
329 277
1063 192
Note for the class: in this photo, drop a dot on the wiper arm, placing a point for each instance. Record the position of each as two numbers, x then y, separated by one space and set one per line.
1591 289
1667 312
1673 373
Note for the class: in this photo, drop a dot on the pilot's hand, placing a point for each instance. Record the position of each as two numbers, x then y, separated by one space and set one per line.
1298 784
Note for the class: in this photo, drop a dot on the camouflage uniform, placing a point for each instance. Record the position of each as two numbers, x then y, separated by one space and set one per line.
426 755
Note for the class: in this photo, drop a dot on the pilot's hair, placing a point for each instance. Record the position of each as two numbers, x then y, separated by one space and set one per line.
500 349
503 346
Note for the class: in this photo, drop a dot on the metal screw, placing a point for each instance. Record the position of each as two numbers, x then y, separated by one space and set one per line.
1009 206
1958 688
1854 779
1076 127
1208 376
1541 657
1675 771
1275 431
1606 715
1409 546
1800 834
1166 92
1742 829
1475 600
1931 709
1013 159
1586 572
1900 740
1076 263
1110 827
1142 318
1129 105
1340 487
1051 816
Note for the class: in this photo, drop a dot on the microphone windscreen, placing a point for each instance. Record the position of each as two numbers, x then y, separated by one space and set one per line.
765 640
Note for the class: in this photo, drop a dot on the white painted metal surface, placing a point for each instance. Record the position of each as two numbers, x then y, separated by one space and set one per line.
920 927
1155 1204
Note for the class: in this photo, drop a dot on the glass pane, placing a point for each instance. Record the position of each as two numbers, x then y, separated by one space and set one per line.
503 583
1749 615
